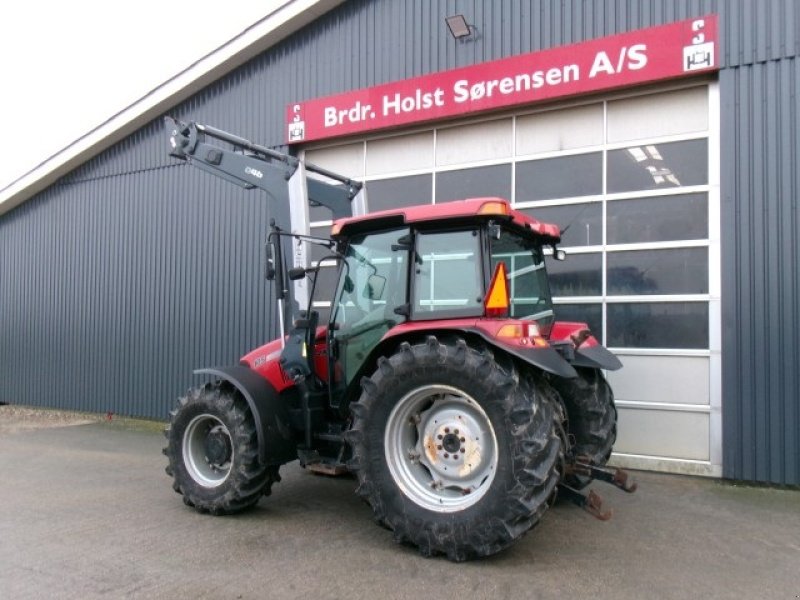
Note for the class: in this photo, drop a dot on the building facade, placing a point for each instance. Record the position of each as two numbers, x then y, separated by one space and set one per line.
678 194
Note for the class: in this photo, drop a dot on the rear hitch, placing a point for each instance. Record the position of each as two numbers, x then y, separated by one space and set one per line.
593 503
617 477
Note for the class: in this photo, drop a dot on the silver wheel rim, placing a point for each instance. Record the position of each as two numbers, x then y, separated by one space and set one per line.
441 448
205 472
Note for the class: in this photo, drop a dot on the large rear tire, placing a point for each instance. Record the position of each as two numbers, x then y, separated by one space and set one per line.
455 451
212 449
592 417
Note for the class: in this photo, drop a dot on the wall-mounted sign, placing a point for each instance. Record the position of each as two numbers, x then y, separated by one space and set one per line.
643 56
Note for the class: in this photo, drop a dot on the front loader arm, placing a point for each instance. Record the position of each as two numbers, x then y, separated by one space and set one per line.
251 166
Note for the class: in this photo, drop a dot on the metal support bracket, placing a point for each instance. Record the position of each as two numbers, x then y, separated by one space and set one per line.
617 477
591 503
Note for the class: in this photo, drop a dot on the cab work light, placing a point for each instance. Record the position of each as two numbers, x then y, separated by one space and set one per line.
493 207
497 301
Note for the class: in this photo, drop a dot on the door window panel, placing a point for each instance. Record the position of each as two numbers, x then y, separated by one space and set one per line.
661 219
560 177
658 166
658 325
578 275
673 271
474 183
583 222
385 194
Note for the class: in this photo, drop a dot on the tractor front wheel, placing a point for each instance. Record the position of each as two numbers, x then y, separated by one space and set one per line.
456 452
213 451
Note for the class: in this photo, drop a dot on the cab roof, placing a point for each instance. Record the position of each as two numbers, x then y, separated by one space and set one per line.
446 211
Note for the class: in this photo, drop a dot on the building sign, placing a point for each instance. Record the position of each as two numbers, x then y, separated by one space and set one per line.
643 56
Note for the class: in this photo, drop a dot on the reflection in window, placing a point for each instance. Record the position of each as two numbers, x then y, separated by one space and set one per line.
658 325
658 166
673 271
385 194
560 177
449 277
591 314
474 183
584 222
578 275
661 219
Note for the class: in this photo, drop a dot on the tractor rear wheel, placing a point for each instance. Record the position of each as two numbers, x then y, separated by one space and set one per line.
456 452
213 451
592 416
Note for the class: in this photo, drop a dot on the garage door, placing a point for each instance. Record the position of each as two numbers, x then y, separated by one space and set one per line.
633 181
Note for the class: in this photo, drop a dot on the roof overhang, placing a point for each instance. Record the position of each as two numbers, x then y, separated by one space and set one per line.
278 25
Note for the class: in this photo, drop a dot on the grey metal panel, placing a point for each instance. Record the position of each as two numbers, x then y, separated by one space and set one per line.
761 271
112 293
132 271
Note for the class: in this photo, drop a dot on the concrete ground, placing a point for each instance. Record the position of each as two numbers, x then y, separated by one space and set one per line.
86 511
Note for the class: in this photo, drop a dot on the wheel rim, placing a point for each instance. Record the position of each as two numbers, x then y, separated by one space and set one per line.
441 448
208 450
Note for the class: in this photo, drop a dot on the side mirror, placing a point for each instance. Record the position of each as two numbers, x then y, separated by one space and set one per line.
374 288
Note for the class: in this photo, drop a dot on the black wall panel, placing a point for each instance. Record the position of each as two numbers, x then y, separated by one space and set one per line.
131 271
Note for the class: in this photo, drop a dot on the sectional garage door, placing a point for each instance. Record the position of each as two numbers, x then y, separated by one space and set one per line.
634 182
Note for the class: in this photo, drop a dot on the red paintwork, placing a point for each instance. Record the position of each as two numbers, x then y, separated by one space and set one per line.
487 325
566 330
453 210
265 360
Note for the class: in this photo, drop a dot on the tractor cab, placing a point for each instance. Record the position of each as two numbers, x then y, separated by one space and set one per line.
464 265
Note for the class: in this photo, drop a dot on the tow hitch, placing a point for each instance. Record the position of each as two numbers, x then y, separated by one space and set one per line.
593 502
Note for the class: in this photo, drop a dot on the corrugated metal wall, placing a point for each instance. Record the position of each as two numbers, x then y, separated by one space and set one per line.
131 271
761 271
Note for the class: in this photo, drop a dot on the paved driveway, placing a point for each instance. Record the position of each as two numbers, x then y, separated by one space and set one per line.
87 512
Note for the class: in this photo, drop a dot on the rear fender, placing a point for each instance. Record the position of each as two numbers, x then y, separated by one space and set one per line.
588 351
276 444
544 358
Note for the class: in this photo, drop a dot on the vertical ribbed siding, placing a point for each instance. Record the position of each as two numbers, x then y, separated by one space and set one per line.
113 291
761 271
117 282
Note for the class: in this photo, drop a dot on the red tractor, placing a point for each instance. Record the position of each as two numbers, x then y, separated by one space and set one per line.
439 377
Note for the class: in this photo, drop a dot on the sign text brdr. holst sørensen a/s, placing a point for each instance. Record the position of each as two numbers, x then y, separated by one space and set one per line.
643 56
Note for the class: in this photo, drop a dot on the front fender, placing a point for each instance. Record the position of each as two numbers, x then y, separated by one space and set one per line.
276 445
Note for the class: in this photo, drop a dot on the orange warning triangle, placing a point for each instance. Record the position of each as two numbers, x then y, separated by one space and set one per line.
497 300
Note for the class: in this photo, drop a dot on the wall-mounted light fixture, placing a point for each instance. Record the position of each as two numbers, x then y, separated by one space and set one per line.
458 26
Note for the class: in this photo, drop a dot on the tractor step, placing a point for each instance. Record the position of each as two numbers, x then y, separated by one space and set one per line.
311 460
332 469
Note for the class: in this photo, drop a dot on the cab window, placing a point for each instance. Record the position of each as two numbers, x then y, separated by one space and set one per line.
448 277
